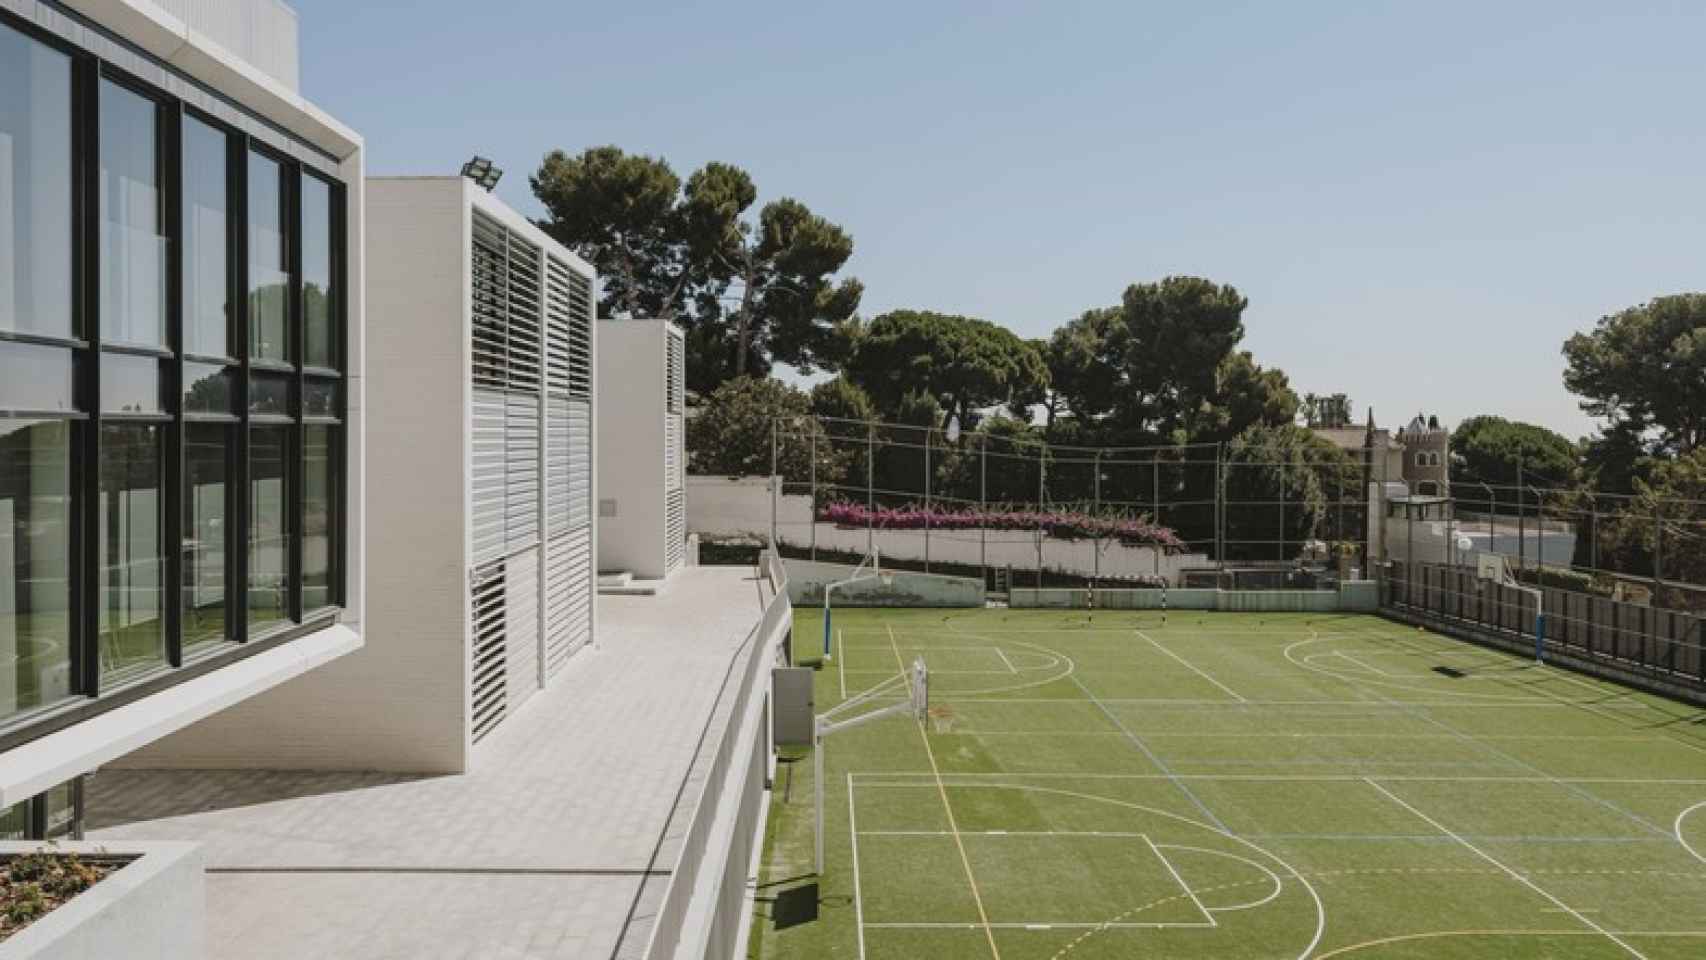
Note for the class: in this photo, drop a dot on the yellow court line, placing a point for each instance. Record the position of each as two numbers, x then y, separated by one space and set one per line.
953 826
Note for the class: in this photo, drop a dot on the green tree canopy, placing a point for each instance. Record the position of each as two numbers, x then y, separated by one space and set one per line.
964 364
1488 449
1646 367
750 292
1084 373
1269 465
730 434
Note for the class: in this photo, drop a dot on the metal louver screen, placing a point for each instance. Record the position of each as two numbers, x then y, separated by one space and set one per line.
674 528
568 597
580 335
489 272
489 668
521 471
675 370
672 452
486 508
521 593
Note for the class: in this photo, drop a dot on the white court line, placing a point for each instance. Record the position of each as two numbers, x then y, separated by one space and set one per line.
1530 884
1528 703
1051 925
1179 880
1279 885
1677 829
1189 666
1004 659
858 901
1369 667
925 776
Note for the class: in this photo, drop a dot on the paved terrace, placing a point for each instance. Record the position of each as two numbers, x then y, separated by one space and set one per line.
558 844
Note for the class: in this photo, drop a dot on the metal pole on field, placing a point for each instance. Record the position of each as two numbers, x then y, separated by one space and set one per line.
870 487
927 432
1522 531
1409 553
1042 498
775 480
1098 494
1155 503
1219 506
814 496
1593 531
983 506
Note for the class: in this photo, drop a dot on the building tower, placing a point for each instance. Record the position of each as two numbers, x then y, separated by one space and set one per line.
1427 457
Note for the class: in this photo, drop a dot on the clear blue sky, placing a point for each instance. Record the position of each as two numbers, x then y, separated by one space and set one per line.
1421 200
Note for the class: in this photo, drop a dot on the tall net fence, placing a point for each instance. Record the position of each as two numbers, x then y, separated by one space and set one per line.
1016 510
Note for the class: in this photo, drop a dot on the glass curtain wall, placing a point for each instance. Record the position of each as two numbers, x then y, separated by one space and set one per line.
171 383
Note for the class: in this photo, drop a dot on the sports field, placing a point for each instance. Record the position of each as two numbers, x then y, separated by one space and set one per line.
1235 785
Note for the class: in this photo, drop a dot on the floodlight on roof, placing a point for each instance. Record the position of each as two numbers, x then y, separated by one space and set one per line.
481 171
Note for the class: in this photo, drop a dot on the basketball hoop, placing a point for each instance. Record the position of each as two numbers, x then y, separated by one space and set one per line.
888 578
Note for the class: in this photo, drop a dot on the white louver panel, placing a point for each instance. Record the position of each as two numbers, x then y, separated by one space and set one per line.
580 464
675 372
489 312
580 336
488 673
558 439
674 528
672 452
568 597
486 508
521 471
521 615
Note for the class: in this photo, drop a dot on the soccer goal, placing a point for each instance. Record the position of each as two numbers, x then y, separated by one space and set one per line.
1496 568
912 686
869 568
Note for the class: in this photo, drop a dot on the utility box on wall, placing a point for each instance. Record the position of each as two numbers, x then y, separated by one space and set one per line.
642 507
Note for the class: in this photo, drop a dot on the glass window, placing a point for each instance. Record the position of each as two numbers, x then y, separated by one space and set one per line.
133 250
35 187
207 298
269 394
319 514
269 526
130 384
206 533
35 563
269 263
35 377
320 397
318 311
207 389
132 512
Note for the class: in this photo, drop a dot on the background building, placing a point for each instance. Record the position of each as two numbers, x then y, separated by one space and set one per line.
642 510
180 386
1427 457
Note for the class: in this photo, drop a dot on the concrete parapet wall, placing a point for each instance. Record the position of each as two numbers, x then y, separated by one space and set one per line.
1354 596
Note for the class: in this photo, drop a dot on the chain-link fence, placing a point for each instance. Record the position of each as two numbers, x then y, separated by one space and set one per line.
1014 509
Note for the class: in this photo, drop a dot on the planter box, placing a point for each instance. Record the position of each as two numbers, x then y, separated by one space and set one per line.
152 908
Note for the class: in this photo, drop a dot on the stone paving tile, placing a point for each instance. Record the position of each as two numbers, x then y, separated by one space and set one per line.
582 777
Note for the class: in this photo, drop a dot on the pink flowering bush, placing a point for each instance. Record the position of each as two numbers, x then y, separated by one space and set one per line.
1064 524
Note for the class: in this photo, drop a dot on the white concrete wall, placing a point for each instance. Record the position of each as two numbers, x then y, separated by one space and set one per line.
630 459
261 32
725 507
806 582
153 908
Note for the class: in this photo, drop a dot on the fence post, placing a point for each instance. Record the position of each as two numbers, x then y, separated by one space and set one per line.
870 487
1521 518
1042 499
927 432
1282 512
1097 565
1593 531
983 505
1155 501
1658 580
775 482
1219 506
814 495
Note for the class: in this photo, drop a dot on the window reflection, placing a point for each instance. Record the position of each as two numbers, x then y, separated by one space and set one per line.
318 528
269 526
205 210
35 187
133 251
132 512
269 281
206 533
317 292
35 563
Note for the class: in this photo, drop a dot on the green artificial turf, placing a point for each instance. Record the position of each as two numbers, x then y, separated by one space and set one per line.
1231 786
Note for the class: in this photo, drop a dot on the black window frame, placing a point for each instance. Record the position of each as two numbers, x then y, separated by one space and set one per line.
87 348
